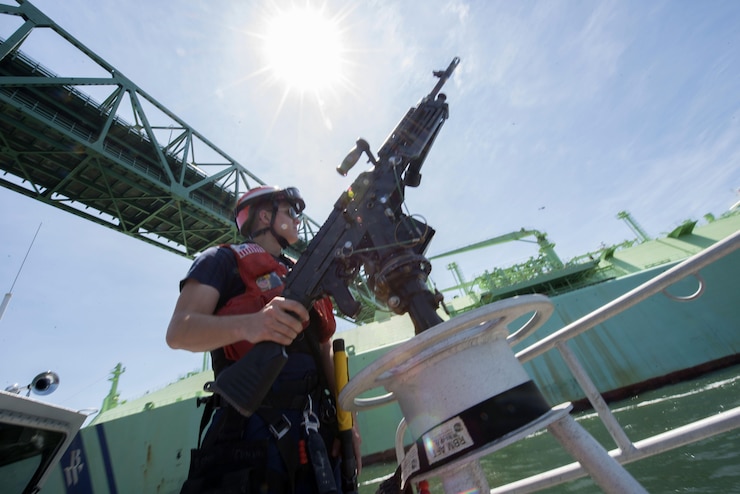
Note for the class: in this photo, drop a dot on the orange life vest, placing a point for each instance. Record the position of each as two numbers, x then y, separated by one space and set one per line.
263 277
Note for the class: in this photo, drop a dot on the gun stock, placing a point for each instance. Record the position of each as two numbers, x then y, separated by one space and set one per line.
246 383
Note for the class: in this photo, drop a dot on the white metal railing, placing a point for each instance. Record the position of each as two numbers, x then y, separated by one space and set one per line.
626 451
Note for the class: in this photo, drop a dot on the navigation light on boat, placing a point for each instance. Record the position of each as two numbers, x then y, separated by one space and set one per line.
43 384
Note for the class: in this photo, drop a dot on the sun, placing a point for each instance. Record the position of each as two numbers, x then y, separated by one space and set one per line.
303 48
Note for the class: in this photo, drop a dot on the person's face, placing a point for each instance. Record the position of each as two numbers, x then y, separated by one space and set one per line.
287 221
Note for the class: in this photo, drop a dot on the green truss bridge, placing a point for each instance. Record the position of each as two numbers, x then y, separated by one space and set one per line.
125 161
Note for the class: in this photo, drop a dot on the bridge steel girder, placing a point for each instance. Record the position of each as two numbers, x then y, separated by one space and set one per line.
61 147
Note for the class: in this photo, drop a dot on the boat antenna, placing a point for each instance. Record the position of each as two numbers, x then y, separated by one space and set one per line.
6 299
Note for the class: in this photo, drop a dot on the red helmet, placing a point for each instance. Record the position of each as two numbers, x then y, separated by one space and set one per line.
261 195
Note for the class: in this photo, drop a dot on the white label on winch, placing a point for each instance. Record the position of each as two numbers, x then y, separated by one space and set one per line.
446 440
410 464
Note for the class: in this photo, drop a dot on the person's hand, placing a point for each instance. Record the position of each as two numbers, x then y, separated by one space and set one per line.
281 320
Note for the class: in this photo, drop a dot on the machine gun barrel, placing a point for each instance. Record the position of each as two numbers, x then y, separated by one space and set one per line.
413 136
443 76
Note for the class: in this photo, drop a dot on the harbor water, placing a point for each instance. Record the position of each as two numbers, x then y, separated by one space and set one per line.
709 466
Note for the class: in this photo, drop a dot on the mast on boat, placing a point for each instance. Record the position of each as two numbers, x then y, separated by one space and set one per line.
6 299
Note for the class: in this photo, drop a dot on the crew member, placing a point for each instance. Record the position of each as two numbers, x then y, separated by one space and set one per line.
229 301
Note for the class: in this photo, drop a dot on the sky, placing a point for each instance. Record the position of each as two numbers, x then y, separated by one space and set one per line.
562 114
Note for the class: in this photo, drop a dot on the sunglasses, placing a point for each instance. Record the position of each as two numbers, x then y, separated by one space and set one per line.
291 211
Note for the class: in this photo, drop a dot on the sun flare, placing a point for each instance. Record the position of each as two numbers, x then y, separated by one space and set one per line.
303 49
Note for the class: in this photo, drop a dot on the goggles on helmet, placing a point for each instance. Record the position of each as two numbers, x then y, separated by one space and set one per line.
292 196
